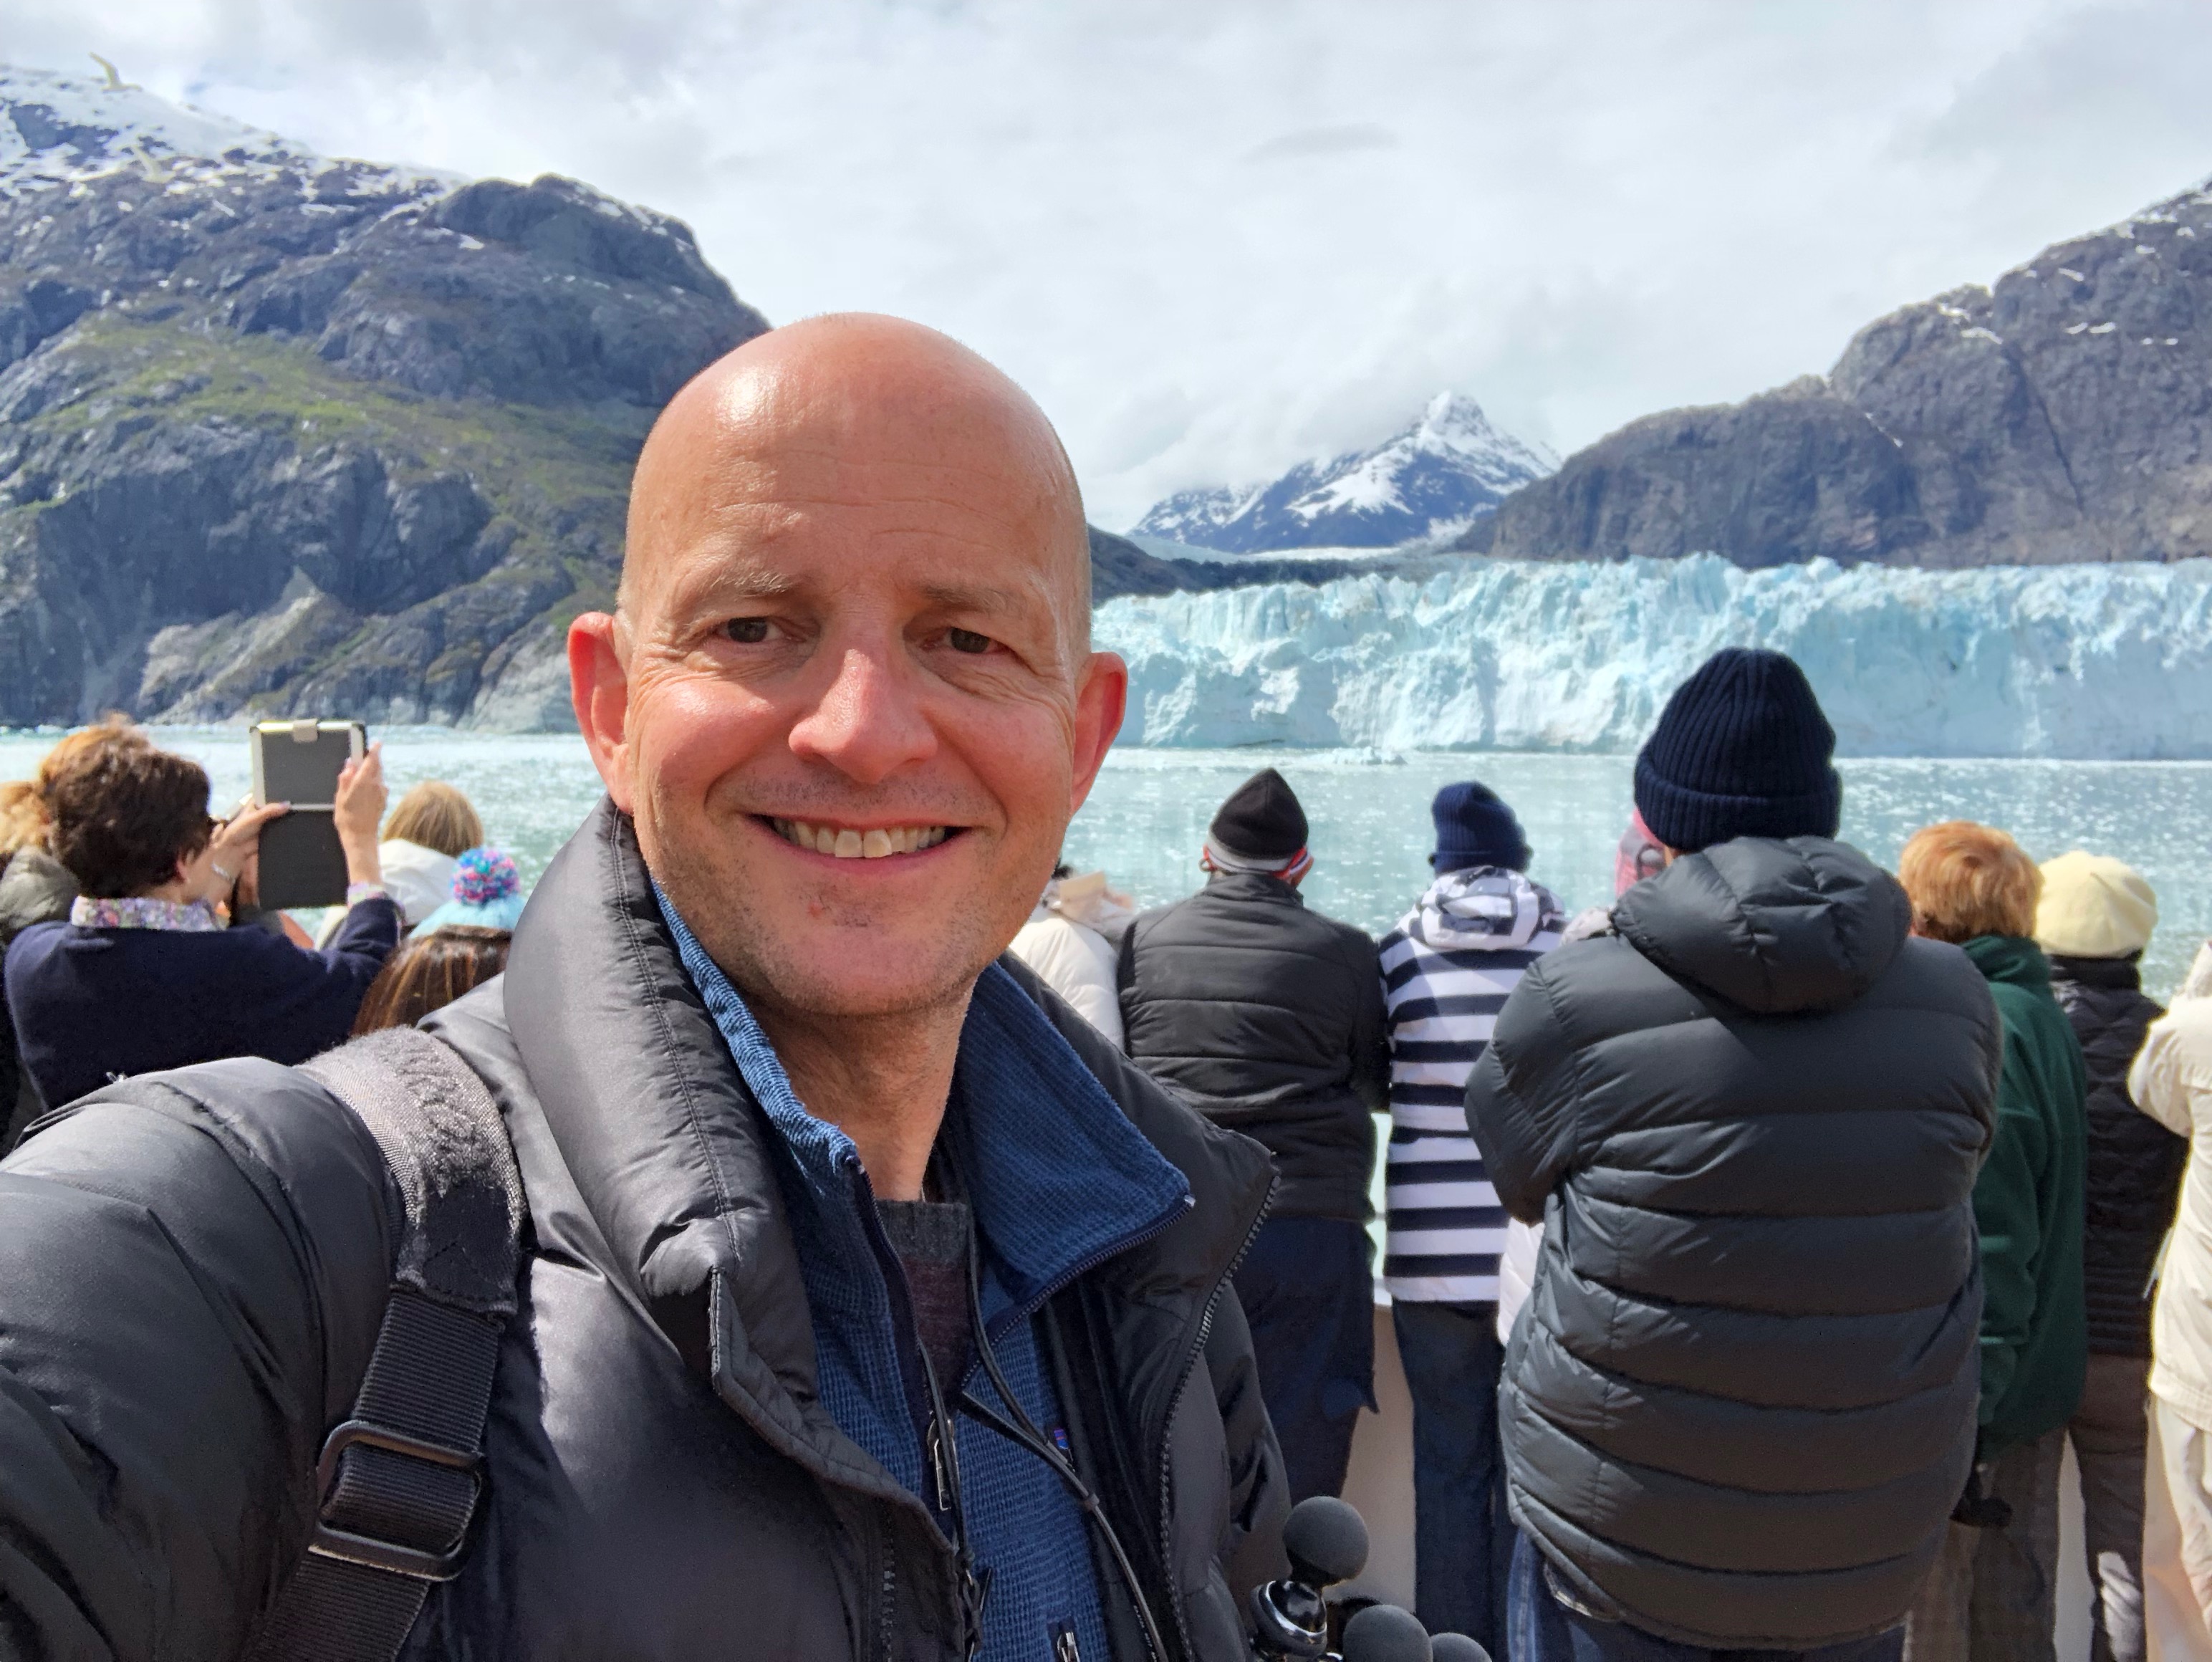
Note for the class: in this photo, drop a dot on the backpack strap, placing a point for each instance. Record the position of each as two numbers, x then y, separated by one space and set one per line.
399 1482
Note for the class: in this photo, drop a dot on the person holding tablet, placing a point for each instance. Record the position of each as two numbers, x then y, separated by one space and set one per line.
145 975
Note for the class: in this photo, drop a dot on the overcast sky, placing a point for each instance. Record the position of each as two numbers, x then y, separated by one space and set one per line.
1214 237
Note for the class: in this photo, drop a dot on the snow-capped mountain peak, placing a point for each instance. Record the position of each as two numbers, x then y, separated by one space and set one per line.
59 129
1429 480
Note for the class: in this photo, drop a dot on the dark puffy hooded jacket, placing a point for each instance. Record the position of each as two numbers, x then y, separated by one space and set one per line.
2134 1176
193 1265
1739 1405
1267 1018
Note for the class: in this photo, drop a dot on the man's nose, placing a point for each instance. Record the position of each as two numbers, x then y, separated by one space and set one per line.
868 723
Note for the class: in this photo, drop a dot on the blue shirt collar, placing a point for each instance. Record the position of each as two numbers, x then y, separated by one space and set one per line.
1058 1178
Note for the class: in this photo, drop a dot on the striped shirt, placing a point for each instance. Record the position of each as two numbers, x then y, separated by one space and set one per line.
1447 969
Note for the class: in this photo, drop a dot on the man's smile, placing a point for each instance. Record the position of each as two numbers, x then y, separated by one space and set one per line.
852 842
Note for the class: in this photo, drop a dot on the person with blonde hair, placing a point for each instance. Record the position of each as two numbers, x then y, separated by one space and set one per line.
1992 1593
2094 919
424 835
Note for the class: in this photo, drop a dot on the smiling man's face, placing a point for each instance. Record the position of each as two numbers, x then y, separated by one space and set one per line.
848 697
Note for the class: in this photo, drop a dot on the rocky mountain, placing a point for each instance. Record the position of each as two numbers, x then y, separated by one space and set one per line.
2063 414
282 434
1442 471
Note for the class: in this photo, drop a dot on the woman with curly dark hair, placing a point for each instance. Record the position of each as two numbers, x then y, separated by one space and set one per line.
145 975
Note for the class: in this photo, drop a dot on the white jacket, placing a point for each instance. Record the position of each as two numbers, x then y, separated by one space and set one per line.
1076 963
2172 1082
418 879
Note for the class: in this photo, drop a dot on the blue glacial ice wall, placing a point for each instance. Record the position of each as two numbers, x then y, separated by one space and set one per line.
2111 661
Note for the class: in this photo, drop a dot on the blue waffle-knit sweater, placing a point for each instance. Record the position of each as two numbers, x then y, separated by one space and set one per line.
1058 1181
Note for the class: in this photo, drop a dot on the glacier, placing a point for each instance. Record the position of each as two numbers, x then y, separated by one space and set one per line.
2110 662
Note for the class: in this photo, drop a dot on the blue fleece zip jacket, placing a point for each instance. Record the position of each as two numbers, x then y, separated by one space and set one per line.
1058 1181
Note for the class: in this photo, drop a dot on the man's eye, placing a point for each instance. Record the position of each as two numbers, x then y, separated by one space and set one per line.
967 640
747 631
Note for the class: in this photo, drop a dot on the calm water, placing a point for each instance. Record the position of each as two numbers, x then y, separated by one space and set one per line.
1370 812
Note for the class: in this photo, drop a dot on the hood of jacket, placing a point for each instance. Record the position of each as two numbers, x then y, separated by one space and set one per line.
35 888
1483 907
2011 959
1777 926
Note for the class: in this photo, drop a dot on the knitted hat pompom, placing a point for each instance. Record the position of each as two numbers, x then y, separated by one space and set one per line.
484 874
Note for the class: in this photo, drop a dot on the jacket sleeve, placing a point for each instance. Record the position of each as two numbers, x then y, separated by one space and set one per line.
2172 1072
173 1342
299 1002
1370 1031
1523 1100
2010 1222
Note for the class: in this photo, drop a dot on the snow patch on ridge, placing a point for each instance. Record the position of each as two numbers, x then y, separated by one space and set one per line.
2089 662
58 130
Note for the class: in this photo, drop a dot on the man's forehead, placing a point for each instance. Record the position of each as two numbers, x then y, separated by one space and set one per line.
785 548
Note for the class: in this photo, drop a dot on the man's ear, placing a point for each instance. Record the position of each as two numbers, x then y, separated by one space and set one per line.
1101 699
598 689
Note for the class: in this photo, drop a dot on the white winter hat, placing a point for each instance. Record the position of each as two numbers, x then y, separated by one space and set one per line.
2093 906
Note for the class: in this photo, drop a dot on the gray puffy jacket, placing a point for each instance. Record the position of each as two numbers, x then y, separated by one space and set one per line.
193 1265
1739 1405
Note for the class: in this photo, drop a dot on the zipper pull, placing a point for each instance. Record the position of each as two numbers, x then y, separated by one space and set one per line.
937 1466
1064 1648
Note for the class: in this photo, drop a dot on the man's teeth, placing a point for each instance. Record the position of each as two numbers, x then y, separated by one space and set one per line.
849 844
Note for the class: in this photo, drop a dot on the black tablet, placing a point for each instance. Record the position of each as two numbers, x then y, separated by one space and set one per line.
299 763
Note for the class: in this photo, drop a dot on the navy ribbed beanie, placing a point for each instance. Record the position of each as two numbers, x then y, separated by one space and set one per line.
1475 828
1741 750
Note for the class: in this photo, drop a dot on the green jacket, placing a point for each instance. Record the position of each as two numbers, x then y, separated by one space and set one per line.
2029 1205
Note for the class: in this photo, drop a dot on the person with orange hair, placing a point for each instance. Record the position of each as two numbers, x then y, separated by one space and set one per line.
1992 1593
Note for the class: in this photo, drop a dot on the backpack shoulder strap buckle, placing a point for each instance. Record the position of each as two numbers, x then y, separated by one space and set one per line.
351 1546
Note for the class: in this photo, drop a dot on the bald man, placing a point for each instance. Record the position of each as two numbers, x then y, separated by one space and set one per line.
870 1305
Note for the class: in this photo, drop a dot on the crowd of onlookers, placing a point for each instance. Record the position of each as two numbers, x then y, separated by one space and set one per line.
135 943
1757 1243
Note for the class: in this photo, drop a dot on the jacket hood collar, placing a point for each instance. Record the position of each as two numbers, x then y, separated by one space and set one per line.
669 1152
2011 959
1484 906
1057 1175
675 1159
1253 886
1777 926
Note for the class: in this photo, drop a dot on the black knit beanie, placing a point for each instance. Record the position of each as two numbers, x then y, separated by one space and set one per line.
1262 819
1741 750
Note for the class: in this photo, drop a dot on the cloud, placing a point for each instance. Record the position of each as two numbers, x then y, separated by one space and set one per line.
1214 238
1325 141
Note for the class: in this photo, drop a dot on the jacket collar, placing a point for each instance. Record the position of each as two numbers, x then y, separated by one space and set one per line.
2009 958
674 1159
1057 1175
2120 974
1253 886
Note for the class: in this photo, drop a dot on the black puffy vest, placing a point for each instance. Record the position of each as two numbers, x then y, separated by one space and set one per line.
1266 1018
2134 1176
